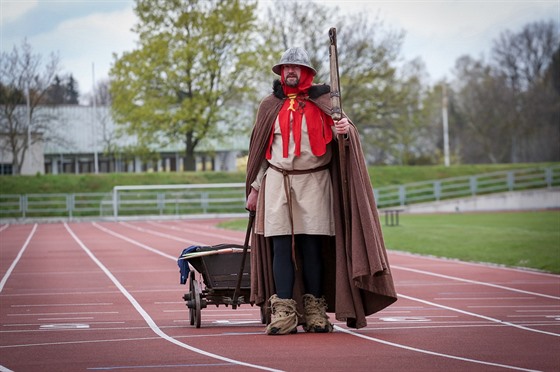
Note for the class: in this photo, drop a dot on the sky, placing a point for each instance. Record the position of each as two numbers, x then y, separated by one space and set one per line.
87 33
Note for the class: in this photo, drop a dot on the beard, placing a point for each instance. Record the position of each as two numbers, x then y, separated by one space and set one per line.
292 81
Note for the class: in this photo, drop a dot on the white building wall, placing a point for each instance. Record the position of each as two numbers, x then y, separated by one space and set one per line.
34 161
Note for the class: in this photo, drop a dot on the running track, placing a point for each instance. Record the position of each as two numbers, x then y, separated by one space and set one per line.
95 296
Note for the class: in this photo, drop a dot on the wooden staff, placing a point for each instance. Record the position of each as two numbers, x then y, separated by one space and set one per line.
336 115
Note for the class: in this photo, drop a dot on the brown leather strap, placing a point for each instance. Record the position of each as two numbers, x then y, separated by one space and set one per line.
287 190
286 172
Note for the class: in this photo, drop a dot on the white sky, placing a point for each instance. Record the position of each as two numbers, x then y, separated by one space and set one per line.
89 32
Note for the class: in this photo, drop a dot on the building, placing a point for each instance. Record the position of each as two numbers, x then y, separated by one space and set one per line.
84 139
33 161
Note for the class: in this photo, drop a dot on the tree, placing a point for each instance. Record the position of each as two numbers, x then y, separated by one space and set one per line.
71 94
102 93
195 60
24 78
523 59
55 92
306 27
63 91
508 110
481 122
367 55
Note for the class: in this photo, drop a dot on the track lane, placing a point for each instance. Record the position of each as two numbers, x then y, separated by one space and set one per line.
523 281
449 355
389 341
42 316
136 301
48 300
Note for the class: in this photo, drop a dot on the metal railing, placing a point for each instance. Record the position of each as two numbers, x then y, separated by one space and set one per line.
178 199
229 198
457 187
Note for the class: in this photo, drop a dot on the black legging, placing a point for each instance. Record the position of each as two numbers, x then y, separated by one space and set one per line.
283 267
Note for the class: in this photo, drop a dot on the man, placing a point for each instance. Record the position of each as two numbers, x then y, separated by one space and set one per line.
300 262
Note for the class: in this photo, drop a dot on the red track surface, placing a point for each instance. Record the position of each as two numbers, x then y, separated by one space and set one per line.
106 296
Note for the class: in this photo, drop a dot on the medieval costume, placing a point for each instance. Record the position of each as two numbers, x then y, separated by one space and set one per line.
300 164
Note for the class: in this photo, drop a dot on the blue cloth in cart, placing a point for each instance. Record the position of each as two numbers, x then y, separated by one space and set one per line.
184 264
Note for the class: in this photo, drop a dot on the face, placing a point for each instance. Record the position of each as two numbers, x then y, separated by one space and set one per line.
292 74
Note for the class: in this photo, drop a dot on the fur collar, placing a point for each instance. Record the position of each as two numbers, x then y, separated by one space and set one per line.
316 90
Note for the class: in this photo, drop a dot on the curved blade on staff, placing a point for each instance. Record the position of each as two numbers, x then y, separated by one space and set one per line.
336 114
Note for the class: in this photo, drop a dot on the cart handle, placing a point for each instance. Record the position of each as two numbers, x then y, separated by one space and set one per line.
245 248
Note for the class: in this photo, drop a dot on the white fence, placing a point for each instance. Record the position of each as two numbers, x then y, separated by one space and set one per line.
229 198
457 187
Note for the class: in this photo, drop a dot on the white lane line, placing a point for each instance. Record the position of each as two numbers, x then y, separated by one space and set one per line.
89 341
4 369
159 366
473 282
16 260
338 328
38 324
169 303
483 298
79 342
64 305
515 306
4 227
486 265
151 323
163 235
78 313
76 318
477 315
199 232
111 232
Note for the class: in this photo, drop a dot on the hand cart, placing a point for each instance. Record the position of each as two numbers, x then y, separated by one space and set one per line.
225 270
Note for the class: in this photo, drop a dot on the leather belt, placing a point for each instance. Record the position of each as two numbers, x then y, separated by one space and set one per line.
286 172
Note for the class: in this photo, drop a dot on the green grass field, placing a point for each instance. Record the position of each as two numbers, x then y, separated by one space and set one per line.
517 239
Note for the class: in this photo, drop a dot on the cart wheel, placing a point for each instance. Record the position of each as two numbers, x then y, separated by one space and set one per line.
191 295
197 304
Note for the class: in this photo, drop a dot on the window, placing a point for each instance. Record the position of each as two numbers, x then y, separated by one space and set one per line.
6 168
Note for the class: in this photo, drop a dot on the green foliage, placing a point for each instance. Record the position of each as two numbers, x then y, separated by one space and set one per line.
194 59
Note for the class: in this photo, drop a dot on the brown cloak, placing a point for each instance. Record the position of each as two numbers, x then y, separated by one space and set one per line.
357 279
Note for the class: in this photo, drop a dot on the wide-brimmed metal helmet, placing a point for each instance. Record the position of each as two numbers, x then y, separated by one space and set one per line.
293 56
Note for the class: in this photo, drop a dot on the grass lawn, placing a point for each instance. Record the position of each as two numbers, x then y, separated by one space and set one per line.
517 239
